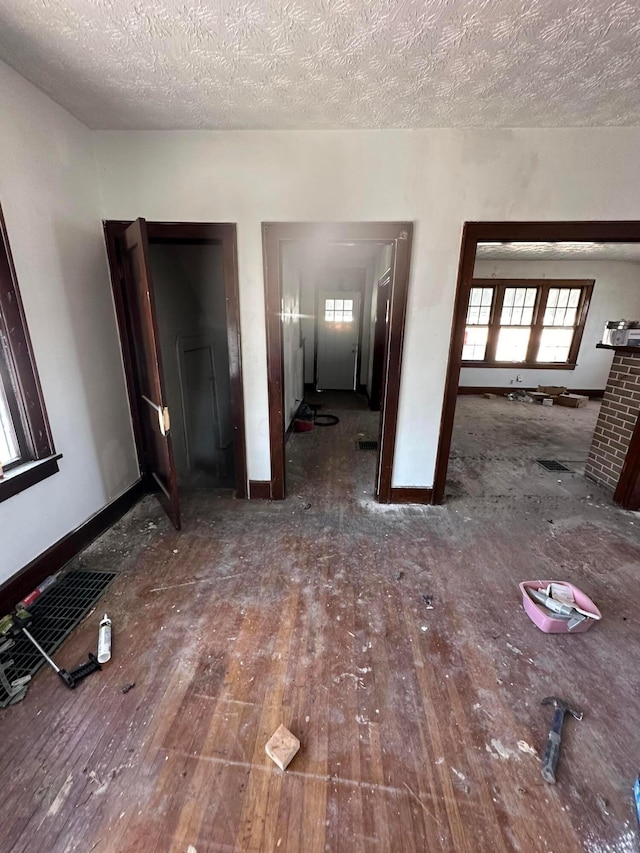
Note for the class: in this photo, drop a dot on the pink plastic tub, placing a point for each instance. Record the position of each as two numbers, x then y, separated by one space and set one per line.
549 624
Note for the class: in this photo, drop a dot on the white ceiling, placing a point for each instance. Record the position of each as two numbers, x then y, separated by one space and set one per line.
558 251
163 64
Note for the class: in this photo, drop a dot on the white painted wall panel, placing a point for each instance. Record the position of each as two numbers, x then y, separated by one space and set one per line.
49 194
437 178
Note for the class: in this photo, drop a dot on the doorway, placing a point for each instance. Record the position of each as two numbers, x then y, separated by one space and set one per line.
338 355
547 326
176 294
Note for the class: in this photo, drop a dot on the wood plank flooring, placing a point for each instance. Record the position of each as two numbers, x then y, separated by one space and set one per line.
420 728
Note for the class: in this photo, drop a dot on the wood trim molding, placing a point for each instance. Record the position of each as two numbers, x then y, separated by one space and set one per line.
65 549
410 495
627 493
522 232
399 234
536 327
32 422
260 490
17 480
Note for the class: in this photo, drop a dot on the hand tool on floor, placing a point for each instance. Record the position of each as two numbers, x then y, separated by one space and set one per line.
552 751
17 688
557 608
20 619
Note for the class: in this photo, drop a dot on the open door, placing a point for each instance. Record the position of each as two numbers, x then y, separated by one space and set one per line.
155 414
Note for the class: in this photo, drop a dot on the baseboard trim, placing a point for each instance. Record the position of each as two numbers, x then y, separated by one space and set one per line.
509 389
410 495
58 555
260 490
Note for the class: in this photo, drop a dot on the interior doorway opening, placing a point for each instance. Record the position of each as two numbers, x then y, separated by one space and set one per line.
532 304
176 294
333 341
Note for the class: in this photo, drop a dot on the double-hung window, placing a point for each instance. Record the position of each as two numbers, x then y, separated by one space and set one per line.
525 322
27 454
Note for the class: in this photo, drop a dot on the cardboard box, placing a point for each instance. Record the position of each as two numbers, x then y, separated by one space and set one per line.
552 390
572 401
538 396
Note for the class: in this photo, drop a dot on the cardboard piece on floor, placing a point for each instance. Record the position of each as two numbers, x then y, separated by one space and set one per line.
282 747
538 396
551 390
573 401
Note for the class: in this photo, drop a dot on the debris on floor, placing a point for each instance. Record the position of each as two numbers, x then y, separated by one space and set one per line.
127 687
282 746
104 640
428 601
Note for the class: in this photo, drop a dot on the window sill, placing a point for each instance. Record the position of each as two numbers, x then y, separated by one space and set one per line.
520 365
18 479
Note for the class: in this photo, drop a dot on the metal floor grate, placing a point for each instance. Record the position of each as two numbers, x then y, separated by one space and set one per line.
552 465
55 614
366 445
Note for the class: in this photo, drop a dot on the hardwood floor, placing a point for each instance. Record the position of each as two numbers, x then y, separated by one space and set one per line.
420 728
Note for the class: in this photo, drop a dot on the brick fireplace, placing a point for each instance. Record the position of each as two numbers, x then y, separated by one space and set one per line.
616 421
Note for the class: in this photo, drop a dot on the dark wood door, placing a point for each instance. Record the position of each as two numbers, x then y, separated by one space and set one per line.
155 414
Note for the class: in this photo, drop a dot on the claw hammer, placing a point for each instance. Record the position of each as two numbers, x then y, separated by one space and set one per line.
552 751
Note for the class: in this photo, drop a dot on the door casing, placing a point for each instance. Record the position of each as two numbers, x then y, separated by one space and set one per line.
628 492
400 235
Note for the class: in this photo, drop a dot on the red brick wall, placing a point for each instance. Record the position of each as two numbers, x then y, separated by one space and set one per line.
616 421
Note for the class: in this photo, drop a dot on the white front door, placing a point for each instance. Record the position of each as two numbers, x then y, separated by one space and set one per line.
338 339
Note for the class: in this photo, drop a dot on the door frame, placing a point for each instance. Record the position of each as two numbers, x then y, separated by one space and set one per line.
183 232
400 235
379 338
522 232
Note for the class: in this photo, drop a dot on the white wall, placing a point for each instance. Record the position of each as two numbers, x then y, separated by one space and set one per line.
616 294
51 204
437 178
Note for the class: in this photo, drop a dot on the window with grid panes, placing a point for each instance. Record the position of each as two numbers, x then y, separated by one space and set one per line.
524 322
27 454
338 310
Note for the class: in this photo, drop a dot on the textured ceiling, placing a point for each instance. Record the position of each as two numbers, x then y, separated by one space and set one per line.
558 252
330 63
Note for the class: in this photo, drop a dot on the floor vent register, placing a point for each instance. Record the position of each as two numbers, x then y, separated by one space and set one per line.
552 465
366 445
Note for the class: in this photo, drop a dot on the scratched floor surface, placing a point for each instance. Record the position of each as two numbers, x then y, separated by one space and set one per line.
420 725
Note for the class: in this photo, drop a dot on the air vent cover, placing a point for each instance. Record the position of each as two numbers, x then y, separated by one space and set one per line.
552 465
